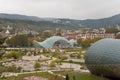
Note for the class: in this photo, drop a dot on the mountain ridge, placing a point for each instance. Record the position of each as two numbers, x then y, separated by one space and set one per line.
64 23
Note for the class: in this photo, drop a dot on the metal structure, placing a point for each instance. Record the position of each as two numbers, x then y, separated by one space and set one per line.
60 42
103 58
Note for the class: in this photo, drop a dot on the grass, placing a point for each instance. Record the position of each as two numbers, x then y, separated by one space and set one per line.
80 63
41 74
80 76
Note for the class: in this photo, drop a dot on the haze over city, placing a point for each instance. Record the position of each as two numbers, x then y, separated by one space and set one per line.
74 9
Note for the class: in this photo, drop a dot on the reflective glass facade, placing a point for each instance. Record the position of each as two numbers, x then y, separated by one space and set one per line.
103 58
49 43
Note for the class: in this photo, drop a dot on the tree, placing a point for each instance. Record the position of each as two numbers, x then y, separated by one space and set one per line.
18 41
2 52
95 39
117 36
67 77
86 43
1 29
79 41
30 35
52 64
13 54
37 65
74 78
62 57
46 35
2 41
57 50
112 30
59 61
58 34
37 39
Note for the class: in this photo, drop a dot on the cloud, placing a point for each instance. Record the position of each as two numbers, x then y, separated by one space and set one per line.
76 9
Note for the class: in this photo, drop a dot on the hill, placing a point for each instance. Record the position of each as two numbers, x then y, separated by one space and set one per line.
36 23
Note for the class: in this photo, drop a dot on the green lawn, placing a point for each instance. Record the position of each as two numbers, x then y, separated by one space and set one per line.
80 63
80 76
41 74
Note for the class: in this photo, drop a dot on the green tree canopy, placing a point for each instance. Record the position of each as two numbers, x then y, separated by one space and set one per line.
13 54
67 77
2 52
46 35
111 30
52 64
37 65
87 42
117 36
2 41
18 41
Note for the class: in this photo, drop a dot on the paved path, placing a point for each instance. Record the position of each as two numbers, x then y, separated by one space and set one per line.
34 72
56 74
16 74
76 60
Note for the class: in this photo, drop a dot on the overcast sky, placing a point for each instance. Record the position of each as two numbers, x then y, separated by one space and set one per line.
75 9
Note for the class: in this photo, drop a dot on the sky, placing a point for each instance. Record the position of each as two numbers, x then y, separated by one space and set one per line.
73 9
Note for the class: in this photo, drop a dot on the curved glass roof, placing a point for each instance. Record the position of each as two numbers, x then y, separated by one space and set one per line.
105 51
48 43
